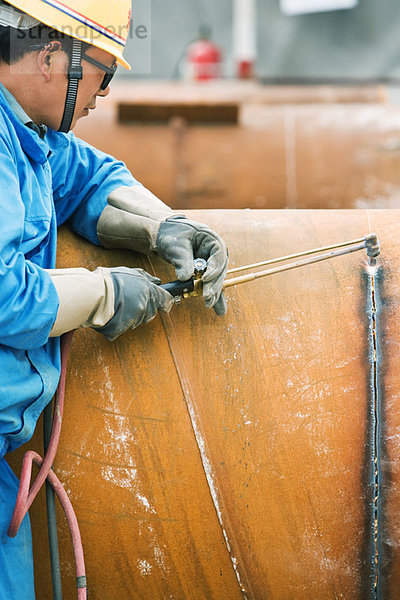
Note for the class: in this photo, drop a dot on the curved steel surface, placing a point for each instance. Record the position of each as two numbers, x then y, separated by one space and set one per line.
228 458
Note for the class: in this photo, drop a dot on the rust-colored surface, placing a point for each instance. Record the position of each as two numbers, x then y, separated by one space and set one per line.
213 458
295 147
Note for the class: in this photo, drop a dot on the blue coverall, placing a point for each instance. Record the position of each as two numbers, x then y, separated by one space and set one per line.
43 183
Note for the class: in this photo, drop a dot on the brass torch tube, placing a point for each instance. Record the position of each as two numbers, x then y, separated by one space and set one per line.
297 255
295 265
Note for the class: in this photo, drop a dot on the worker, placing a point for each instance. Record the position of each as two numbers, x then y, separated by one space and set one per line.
56 60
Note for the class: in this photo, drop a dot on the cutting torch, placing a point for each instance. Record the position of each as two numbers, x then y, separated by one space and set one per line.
193 287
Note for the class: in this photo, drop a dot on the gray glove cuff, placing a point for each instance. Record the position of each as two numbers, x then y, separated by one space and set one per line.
132 219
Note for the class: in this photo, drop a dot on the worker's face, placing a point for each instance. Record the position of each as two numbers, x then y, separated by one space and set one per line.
89 86
57 85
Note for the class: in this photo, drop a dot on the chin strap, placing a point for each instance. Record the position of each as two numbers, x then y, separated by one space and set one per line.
74 76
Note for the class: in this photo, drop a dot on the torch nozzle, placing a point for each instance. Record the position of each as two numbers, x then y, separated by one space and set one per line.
373 249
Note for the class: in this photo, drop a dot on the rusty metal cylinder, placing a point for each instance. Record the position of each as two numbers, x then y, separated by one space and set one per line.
228 458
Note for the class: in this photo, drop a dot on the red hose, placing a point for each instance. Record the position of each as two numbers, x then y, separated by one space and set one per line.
26 496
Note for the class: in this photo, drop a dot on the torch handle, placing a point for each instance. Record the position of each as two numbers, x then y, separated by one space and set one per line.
179 288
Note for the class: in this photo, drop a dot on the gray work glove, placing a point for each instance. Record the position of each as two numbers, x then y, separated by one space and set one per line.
180 241
111 301
136 219
137 298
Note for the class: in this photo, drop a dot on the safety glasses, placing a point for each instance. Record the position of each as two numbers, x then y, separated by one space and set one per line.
110 71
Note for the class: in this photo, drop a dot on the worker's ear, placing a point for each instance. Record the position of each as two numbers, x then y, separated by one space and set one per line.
48 58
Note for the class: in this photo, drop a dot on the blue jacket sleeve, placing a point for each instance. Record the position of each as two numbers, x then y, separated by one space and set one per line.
83 178
28 298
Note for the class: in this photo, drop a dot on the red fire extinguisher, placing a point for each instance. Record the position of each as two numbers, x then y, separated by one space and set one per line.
203 58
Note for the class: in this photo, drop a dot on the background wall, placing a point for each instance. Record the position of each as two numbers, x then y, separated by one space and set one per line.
362 43
298 146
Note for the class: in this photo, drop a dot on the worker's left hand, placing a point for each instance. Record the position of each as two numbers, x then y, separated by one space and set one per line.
180 241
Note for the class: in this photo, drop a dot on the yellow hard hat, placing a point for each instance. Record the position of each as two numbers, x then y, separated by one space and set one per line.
100 23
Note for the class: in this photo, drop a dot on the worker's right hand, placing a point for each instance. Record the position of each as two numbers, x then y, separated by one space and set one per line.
137 298
111 301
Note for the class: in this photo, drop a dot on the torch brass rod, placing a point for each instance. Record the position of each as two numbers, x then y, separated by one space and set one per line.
298 255
295 265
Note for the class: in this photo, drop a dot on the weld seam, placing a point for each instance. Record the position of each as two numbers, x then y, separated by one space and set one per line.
376 409
208 470
201 445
